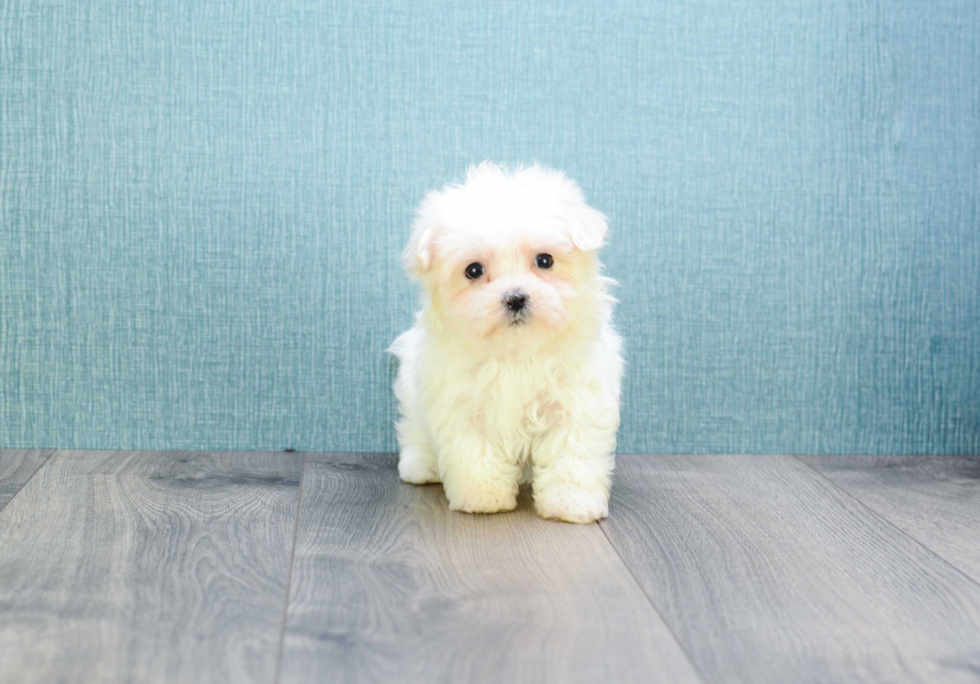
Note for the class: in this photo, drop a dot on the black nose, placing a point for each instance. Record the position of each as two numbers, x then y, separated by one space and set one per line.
515 301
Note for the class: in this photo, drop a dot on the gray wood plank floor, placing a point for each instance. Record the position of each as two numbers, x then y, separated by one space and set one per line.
934 499
768 573
292 568
17 466
390 585
147 567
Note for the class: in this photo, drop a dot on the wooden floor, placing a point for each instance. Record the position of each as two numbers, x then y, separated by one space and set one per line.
286 567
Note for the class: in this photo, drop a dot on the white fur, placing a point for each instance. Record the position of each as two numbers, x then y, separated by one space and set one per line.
487 402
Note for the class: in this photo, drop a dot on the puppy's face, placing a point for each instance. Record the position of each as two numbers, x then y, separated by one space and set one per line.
507 254
498 285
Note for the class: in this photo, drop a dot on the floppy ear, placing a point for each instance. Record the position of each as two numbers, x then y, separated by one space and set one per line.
587 228
417 256
420 249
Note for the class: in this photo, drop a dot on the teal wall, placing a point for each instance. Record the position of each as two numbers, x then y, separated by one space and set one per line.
202 203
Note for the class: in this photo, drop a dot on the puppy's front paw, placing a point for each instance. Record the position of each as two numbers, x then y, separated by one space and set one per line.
416 466
572 503
476 499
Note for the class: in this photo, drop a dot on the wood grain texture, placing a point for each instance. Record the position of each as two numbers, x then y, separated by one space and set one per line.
766 572
16 468
934 499
147 567
389 585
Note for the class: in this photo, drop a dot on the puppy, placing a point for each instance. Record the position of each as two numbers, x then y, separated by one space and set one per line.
512 370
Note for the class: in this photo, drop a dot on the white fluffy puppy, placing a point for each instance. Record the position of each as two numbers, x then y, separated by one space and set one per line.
512 371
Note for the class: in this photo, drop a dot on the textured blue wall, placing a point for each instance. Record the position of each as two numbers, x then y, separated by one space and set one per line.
201 206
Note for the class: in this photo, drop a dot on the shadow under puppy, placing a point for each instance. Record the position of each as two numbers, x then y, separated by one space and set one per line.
512 370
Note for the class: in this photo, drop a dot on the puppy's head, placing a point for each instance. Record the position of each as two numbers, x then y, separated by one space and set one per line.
507 254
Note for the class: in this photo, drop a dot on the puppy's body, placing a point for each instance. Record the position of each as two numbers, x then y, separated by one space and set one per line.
514 374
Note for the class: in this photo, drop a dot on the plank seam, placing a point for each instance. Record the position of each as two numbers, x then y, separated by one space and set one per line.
289 581
47 459
883 519
653 606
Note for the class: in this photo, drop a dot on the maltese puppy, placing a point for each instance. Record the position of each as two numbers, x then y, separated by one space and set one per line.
512 371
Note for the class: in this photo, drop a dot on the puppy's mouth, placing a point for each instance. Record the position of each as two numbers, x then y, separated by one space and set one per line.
518 318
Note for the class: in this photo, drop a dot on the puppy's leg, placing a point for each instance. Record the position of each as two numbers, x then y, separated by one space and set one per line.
416 457
572 472
476 478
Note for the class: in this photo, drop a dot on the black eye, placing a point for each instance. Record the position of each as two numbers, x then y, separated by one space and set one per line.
544 261
474 270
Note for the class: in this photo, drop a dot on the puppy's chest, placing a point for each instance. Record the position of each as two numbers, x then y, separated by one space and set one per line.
520 397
